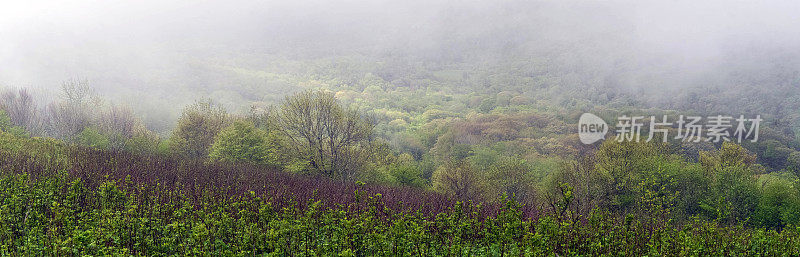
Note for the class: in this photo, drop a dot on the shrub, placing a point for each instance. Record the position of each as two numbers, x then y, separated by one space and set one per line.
92 137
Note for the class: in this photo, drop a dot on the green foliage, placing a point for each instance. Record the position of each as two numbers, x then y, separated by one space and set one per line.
793 163
57 216
143 142
467 130
196 129
59 213
458 178
779 202
7 126
406 172
93 138
733 193
243 142
5 121
486 105
620 165
514 177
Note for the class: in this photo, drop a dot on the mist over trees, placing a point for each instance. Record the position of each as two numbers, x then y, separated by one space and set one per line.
441 82
569 53
379 113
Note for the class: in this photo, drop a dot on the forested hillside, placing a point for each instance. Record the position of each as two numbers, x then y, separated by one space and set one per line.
383 129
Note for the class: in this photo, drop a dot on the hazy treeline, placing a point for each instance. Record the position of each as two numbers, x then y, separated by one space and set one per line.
660 55
79 116
529 155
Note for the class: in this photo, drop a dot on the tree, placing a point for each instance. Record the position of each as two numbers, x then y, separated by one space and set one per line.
779 203
405 171
406 175
142 141
66 120
119 124
198 125
119 120
732 194
75 112
513 177
459 179
619 165
21 109
243 142
793 163
76 92
332 139
578 183
730 155
7 126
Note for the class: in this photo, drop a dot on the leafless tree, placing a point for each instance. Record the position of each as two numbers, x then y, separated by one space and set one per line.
330 136
118 120
21 109
119 123
66 120
76 92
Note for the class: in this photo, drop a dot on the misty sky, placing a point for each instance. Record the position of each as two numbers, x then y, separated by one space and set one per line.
123 44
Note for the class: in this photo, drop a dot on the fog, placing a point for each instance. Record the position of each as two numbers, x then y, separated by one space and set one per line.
160 50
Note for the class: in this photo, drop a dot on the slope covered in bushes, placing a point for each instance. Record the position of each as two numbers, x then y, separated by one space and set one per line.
64 200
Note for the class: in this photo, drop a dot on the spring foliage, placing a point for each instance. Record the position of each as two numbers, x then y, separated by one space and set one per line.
243 142
59 200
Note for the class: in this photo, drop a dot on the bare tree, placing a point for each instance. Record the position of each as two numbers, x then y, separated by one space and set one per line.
332 138
76 92
21 109
66 120
119 123
118 120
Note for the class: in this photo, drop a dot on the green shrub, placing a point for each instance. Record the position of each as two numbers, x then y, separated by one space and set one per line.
93 138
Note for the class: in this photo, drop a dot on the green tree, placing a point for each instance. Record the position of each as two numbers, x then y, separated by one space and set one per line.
733 194
779 203
619 165
198 125
458 178
243 142
793 163
405 171
513 177
142 141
